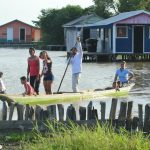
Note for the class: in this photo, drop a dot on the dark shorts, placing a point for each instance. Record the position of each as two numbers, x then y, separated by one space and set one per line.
48 77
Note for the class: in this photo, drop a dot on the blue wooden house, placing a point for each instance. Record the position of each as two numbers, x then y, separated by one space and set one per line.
125 33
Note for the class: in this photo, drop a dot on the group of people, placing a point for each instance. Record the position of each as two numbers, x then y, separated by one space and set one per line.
32 81
34 75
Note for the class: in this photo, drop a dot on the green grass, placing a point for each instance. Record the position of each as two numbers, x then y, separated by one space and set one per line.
83 138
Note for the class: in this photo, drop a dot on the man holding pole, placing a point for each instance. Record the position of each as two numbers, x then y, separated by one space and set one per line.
76 62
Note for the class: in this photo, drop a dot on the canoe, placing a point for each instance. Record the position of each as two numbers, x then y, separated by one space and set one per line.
66 96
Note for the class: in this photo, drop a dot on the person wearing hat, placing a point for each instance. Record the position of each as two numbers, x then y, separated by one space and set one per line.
2 86
123 74
76 62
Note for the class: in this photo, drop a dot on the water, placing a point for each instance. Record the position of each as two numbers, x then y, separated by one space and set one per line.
13 63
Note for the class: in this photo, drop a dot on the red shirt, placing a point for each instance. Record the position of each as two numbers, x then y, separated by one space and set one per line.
33 66
29 89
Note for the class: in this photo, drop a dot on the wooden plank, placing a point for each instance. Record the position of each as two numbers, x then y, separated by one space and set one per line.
129 116
140 115
103 110
122 114
89 111
82 112
71 113
112 114
11 110
135 123
5 107
60 112
20 111
147 118
52 112
38 112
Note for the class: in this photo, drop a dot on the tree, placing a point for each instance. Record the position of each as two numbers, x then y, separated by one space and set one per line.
105 8
51 21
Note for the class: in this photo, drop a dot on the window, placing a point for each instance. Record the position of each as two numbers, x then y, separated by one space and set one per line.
149 31
122 32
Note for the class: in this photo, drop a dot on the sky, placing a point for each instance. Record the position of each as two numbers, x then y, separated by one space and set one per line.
29 10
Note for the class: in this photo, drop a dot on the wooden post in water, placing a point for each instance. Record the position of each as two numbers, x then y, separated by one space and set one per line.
38 112
122 114
71 113
20 111
94 114
5 107
135 123
112 114
129 116
147 118
140 114
11 110
61 112
27 112
89 111
103 110
52 112
82 112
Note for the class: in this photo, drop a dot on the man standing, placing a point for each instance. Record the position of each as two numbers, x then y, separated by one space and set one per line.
76 62
33 70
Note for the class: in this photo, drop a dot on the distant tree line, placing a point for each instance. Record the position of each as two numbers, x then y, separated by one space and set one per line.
51 20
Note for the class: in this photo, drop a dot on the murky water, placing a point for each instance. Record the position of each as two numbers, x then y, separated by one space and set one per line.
13 63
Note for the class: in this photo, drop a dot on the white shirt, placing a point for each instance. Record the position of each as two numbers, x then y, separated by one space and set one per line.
2 86
76 60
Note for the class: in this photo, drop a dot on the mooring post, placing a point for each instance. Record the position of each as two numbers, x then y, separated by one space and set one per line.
71 113
27 111
52 112
60 112
5 107
122 114
38 112
82 112
11 110
140 114
103 110
20 111
89 111
147 118
112 114
129 116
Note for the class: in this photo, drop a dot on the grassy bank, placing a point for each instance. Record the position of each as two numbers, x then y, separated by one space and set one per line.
82 138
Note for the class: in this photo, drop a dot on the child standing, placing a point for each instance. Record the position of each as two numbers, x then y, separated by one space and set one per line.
28 88
2 86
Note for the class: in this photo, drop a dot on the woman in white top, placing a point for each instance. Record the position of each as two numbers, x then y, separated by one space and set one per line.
2 86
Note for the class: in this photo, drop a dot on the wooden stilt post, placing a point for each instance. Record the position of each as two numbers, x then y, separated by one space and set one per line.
129 116
103 110
82 111
20 111
52 112
61 112
11 110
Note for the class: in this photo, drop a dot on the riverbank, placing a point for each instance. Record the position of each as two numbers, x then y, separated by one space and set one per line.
77 138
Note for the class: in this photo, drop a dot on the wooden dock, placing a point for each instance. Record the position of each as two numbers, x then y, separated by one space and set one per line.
109 57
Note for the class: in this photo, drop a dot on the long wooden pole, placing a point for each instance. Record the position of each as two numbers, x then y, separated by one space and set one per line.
64 74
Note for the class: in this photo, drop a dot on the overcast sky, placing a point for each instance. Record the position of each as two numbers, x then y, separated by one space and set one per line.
28 10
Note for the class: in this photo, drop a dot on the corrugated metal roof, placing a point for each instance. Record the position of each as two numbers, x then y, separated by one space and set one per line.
118 17
83 20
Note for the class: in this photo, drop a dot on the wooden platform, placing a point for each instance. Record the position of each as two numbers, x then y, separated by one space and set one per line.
109 57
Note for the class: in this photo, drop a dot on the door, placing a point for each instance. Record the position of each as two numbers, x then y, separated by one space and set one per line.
138 39
10 34
22 35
